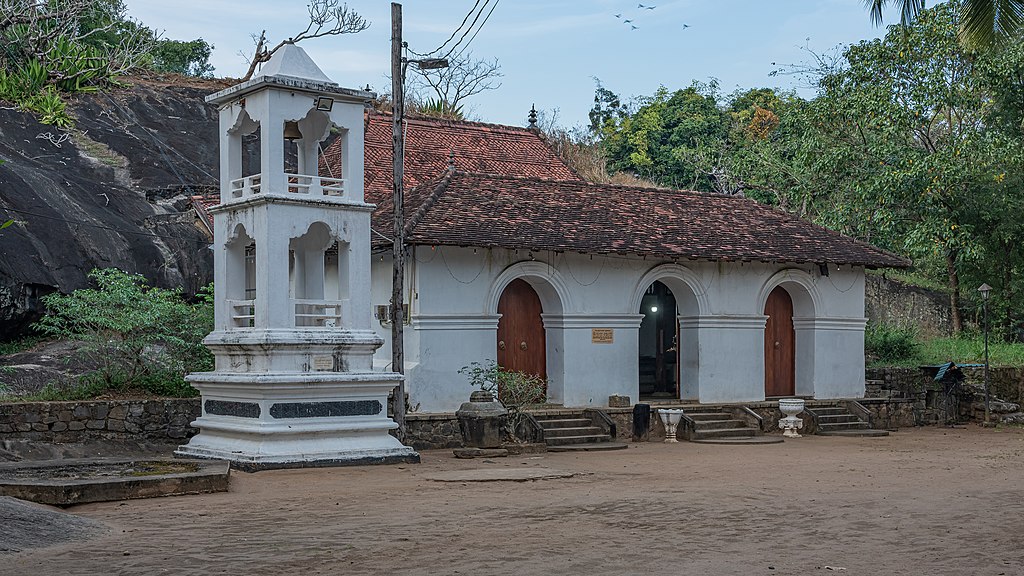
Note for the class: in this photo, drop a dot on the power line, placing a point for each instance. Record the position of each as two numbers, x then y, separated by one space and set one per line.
478 29
470 29
441 47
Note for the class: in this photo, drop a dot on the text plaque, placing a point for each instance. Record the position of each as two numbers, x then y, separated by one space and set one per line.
602 335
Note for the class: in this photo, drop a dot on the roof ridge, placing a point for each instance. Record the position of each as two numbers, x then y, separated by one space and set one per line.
452 122
582 182
430 201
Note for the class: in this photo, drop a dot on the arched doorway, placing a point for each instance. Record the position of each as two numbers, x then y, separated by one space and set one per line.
659 343
521 343
779 345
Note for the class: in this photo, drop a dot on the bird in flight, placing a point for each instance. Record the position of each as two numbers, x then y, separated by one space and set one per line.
685 26
618 15
633 27
626 21
646 7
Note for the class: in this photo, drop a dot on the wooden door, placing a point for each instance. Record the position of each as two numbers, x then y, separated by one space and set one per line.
779 345
521 343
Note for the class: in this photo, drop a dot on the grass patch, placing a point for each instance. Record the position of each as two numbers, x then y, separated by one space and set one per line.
911 278
91 386
969 349
20 345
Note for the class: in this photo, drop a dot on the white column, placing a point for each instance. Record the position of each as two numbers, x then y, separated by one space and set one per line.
832 349
596 367
731 356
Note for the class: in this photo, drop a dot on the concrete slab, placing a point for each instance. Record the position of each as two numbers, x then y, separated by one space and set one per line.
77 481
855 433
742 440
589 447
501 475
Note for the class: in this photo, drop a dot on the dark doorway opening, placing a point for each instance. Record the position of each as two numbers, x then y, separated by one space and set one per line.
659 344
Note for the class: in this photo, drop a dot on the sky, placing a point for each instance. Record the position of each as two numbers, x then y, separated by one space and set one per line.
550 51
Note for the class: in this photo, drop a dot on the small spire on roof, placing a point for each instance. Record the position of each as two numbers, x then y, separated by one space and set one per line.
451 160
533 117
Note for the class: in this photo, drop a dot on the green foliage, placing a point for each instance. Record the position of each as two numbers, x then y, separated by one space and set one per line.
964 349
189 58
50 49
887 344
20 345
135 335
913 143
515 390
436 108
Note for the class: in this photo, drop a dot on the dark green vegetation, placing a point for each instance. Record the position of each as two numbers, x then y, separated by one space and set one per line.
135 338
914 143
56 47
891 346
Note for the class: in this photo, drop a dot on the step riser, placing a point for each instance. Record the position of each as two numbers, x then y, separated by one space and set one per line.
564 423
726 433
849 426
561 432
567 440
718 424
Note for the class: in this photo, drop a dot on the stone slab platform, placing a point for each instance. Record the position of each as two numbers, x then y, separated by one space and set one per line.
501 475
77 481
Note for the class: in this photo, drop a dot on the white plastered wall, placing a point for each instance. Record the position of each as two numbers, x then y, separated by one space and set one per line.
453 294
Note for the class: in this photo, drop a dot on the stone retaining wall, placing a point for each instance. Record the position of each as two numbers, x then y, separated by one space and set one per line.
154 419
429 431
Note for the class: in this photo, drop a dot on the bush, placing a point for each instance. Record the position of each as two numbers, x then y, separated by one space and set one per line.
890 343
136 336
515 390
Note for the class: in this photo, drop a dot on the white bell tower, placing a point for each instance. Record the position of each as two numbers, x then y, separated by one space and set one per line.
293 383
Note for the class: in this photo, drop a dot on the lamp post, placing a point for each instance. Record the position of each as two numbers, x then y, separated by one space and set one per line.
985 289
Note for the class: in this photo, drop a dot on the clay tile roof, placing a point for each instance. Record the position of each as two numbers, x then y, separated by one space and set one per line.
486 210
430 143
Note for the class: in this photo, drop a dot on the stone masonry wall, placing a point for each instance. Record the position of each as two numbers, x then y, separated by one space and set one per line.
894 303
155 419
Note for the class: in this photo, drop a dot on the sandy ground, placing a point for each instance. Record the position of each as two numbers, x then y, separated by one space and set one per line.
930 501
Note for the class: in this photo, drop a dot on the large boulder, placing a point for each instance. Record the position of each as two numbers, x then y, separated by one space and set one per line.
113 192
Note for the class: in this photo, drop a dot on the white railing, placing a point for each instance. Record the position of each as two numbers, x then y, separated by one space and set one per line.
242 313
294 184
246 186
315 185
318 313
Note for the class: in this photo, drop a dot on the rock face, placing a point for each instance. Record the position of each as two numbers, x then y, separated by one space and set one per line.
113 192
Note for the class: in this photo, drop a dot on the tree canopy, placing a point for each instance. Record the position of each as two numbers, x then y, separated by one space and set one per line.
914 142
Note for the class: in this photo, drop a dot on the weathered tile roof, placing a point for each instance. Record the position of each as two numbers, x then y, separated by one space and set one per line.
486 210
431 144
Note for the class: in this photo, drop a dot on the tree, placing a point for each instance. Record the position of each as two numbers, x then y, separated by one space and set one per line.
190 58
326 18
981 22
464 77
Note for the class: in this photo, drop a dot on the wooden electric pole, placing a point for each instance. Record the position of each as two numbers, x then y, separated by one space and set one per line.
398 245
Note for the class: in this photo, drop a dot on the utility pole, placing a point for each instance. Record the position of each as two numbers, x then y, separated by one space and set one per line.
398 245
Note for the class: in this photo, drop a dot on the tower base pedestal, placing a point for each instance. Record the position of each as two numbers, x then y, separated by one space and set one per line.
296 420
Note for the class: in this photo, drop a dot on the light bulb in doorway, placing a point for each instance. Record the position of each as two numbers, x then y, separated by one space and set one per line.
654 308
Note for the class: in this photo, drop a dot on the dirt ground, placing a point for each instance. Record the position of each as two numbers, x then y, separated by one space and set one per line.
928 501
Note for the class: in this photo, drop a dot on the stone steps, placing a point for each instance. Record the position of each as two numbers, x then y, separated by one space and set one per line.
714 423
839 421
565 431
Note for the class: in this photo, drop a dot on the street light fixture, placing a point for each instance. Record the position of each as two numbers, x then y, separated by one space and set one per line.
985 289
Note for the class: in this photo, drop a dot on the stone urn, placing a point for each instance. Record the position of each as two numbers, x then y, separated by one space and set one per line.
790 424
670 418
482 421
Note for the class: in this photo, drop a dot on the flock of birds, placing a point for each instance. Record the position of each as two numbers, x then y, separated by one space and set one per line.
629 21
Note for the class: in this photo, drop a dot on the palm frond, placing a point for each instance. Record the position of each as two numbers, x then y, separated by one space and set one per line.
986 22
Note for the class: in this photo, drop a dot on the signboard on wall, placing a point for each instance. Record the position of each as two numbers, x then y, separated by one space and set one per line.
602 335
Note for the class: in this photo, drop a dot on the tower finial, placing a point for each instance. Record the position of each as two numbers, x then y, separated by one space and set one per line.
451 160
533 117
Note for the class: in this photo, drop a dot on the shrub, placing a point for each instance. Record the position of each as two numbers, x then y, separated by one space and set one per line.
515 390
890 343
134 335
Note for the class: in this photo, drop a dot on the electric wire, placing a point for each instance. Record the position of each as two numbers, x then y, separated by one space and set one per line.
459 55
456 31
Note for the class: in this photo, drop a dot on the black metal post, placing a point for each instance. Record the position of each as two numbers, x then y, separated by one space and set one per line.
984 306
